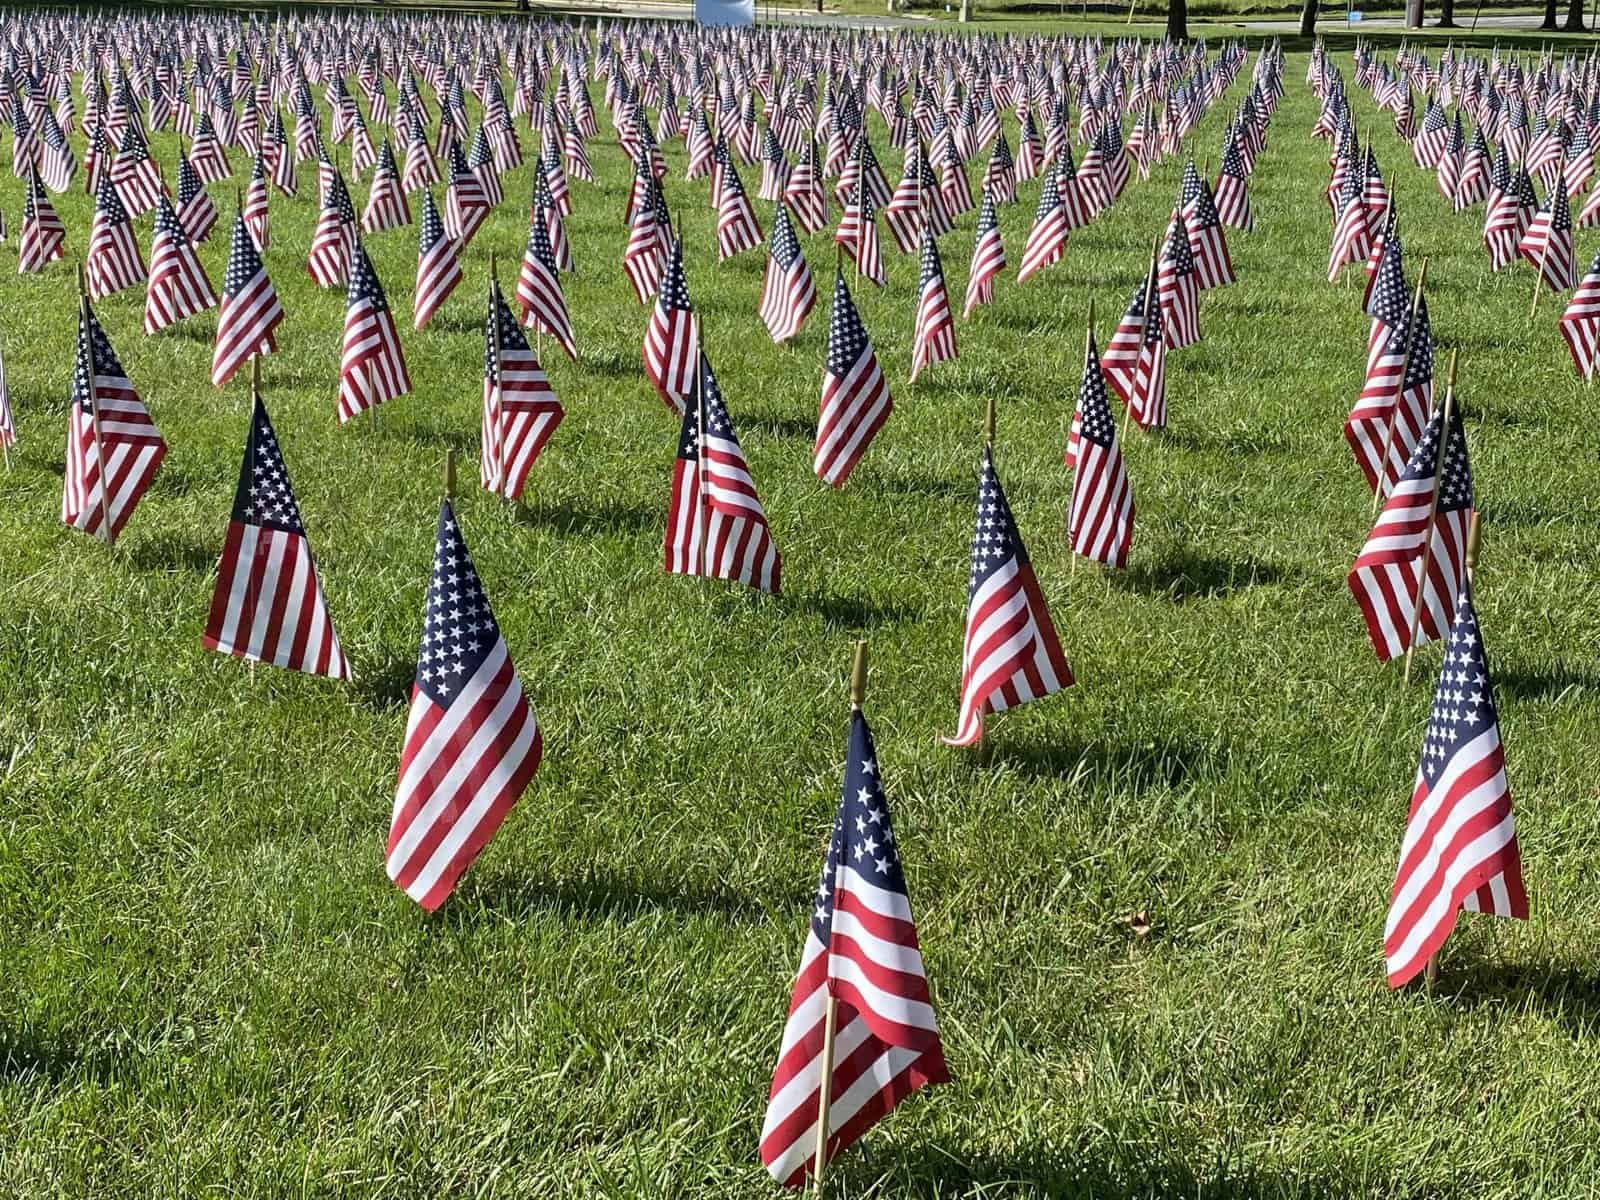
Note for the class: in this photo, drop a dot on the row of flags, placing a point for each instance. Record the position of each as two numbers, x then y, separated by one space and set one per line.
1412 578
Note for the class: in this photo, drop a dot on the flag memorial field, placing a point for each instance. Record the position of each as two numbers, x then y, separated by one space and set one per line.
298 897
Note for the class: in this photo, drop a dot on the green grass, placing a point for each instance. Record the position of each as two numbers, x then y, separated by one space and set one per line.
208 986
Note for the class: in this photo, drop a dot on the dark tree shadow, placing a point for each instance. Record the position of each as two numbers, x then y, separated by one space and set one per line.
1186 575
1167 763
1539 683
851 612
175 552
605 898
603 518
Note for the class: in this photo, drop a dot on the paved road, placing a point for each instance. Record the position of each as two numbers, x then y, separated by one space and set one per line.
1334 20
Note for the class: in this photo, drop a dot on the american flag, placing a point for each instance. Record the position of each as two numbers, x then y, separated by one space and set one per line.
787 293
954 185
250 308
268 606
276 145
1233 189
113 447
737 227
1100 514
1385 580
372 368
1010 653
1580 323
905 214
988 257
1121 357
520 408
43 235
1386 414
546 212
855 396
1548 242
421 170
196 213
113 262
865 248
1147 401
481 162
328 261
641 257
8 426
1000 176
1177 287
774 167
206 154
1207 242
257 214
438 264
96 161
1508 219
716 526
1352 236
934 338
539 294
804 193
178 285
466 203
861 955
386 202
1431 138
472 742
1047 240
672 339
56 164
1460 848
134 174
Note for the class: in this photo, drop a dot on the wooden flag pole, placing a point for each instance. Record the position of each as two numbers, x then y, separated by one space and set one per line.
496 379
704 518
830 1023
106 533
1088 344
1144 325
1539 278
449 474
1394 411
1433 515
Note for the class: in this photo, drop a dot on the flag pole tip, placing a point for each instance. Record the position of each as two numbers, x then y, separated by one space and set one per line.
858 675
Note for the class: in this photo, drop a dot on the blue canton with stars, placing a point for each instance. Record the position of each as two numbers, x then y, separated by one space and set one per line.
1463 706
847 337
510 338
863 837
785 246
95 356
244 260
931 269
674 293
717 419
264 497
1419 369
364 285
995 540
458 627
1094 407
1455 479
1389 302
431 230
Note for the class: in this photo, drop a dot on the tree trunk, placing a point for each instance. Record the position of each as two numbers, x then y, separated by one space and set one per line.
1549 15
1574 17
1413 14
1308 18
1178 20
1447 14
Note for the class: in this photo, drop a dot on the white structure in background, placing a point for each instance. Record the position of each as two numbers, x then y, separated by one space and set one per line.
725 12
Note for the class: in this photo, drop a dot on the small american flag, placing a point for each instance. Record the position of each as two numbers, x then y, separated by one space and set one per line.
1385 580
1178 289
737 227
466 203
328 261
804 193
372 368
268 605
1010 653
206 154
196 213
438 264
787 293
1100 514
257 213
1580 323
386 202
1232 193
57 164
113 447
934 338
1047 240
1384 414
861 952
855 396
539 294
421 169
641 258
178 285
1352 235
1207 242
672 339
988 257
43 237
134 173
520 408
1508 219
113 262
250 308
1460 848
1548 242
716 526
472 742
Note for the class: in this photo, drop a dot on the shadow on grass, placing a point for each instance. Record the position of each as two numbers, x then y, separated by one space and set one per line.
1551 682
603 517
455 323
605 898
175 552
959 486
1170 762
1568 994
25 1056
388 684
783 427
1185 575
851 612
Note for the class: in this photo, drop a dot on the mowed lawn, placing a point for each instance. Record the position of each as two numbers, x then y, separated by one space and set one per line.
1152 922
